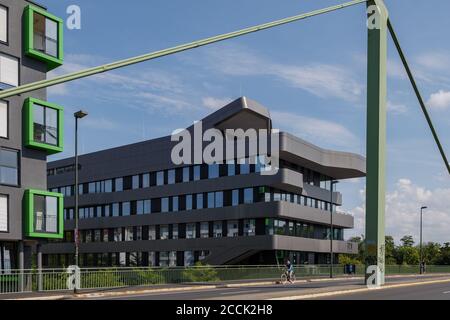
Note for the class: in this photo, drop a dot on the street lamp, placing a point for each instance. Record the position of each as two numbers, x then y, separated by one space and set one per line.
421 248
78 115
333 182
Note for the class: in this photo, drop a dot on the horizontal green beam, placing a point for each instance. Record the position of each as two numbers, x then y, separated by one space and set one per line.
158 54
419 96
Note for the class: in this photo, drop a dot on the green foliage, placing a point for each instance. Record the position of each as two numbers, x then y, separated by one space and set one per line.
407 241
201 273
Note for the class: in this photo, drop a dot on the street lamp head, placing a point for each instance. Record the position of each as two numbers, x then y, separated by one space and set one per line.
423 208
80 114
334 182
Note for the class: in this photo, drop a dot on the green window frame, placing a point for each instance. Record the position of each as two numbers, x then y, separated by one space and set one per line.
39 44
45 226
39 134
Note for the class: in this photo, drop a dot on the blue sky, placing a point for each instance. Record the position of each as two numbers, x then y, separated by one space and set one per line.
310 74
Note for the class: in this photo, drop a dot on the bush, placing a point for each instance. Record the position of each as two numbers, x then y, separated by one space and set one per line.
201 273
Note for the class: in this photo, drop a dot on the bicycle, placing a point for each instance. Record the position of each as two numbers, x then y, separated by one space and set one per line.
285 277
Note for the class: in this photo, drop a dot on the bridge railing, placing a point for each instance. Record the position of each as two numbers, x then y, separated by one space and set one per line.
17 281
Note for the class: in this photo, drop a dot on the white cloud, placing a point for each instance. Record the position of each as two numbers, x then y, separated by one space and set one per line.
215 103
434 60
439 100
403 212
322 80
315 130
100 123
395 108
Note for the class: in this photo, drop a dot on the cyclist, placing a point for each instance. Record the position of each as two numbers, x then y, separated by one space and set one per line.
289 270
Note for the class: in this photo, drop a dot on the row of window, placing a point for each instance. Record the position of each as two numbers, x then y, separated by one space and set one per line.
128 259
203 230
197 201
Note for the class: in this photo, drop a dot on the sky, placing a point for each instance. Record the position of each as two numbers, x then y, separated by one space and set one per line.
311 75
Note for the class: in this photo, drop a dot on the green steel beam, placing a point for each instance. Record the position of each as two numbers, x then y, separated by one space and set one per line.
158 54
419 96
376 141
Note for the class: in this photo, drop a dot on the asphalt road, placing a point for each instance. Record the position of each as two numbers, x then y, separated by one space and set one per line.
435 291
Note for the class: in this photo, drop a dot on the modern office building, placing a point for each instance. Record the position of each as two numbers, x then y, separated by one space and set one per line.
31 44
137 208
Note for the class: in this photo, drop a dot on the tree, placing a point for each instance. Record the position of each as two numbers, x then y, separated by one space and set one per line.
407 241
444 258
432 253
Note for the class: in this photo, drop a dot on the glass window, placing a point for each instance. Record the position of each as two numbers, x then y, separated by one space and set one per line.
160 178
219 199
105 235
217 229
143 207
91 187
107 211
164 232
117 234
9 72
115 210
108 186
129 234
164 259
196 173
235 198
119 184
135 182
45 124
244 167
3 118
9 167
165 205
146 180
151 233
175 201
200 201
211 200
248 195
172 259
204 230
189 202
186 174
126 209
190 231
45 36
151 259
231 168
97 235
233 228
280 227
3 212
249 227
45 214
213 171
188 258
175 231
3 24
171 177
269 227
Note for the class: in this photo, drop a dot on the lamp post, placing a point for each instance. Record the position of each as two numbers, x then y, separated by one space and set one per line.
333 182
421 247
78 115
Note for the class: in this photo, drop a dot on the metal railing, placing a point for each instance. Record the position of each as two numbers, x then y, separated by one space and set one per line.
48 280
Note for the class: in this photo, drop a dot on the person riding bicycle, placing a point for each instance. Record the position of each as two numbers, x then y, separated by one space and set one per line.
289 270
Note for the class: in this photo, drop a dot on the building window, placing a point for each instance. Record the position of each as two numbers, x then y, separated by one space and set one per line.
219 199
249 227
175 204
175 234
213 171
151 233
199 201
118 184
165 205
172 259
233 228
115 210
280 227
235 198
151 259
160 178
126 209
9 167
43 36
4 213
188 258
248 195
146 180
3 119
44 214
217 229
164 259
135 182
129 234
186 174
204 230
231 167
190 231
143 207
211 200
189 202
171 177
197 173
3 24
9 71
164 232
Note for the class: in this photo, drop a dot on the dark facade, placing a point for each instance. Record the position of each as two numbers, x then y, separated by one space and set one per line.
27 44
137 208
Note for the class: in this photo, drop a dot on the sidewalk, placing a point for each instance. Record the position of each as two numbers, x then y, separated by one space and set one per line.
93 293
